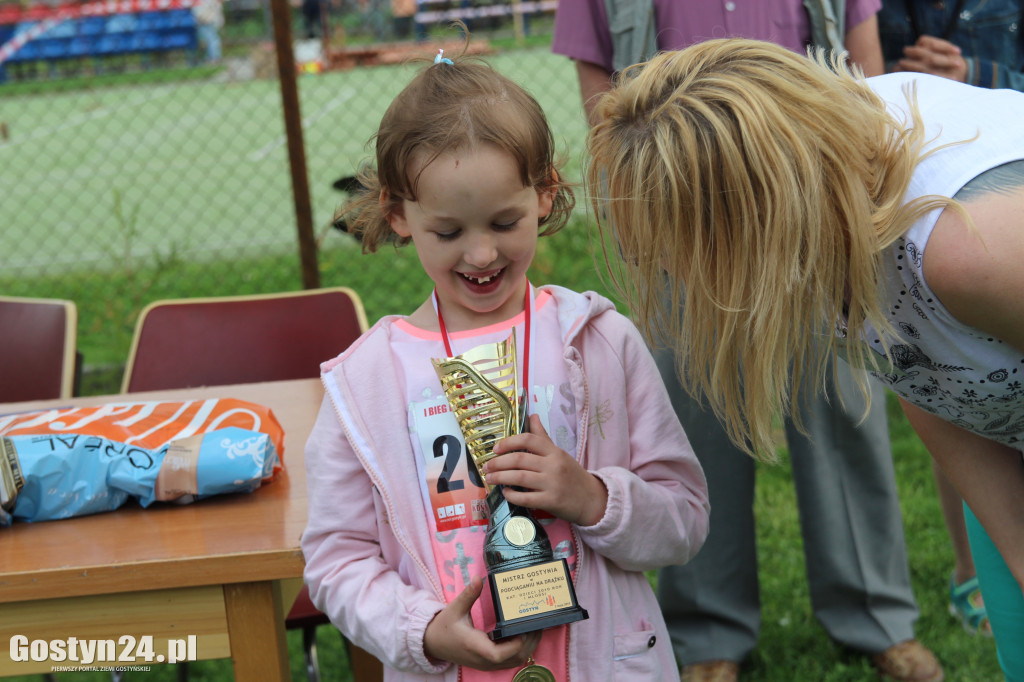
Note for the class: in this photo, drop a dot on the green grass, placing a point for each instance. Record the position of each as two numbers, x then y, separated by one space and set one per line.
199 168
793 646
76 82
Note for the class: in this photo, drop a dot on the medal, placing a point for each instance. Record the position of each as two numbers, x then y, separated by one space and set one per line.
534 673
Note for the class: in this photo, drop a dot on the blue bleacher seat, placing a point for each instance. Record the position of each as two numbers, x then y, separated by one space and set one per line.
144 32
81 46
146 41
27 53
181 18
24 26
64 29
179 39
91 26
112 43
153 21
121 23
53 48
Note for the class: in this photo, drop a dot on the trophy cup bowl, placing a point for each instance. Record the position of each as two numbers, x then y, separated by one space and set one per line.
531 589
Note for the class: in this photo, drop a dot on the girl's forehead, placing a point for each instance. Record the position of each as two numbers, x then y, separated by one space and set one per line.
456 181
424 160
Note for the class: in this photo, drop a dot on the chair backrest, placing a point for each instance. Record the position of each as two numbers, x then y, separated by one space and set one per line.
238 339
38 340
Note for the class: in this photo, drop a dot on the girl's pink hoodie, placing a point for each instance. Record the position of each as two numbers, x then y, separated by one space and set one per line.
369 564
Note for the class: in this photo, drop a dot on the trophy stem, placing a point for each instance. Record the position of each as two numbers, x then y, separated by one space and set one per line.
514 538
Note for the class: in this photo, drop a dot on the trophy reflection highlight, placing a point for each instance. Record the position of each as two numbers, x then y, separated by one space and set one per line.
531 589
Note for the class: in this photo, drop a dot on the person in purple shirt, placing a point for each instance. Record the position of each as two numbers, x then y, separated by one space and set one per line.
582 33
842 469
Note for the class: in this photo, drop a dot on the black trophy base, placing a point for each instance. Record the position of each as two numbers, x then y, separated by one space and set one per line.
533 598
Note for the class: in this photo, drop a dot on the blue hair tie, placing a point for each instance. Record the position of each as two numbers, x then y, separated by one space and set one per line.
441 59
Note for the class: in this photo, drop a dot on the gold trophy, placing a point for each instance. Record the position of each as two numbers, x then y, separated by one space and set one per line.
531 589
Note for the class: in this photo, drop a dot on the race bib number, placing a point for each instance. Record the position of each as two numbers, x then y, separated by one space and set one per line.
453 483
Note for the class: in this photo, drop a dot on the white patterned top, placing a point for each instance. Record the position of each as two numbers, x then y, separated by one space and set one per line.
957 372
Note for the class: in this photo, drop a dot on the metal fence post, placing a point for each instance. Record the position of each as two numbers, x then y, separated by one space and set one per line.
296 149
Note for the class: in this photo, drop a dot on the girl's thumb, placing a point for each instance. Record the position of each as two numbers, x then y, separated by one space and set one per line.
464 602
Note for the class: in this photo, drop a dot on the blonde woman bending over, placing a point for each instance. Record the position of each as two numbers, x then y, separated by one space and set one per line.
802 212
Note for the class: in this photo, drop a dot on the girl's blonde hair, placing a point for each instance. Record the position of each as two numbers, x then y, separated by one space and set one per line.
449 106
750 190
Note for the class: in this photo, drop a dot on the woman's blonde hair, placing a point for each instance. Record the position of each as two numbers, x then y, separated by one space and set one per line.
761 185
450 105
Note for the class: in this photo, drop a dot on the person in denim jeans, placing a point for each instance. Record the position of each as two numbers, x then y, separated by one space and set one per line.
209 16
979 42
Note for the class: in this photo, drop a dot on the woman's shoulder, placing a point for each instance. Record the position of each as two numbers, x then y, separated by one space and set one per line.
974 270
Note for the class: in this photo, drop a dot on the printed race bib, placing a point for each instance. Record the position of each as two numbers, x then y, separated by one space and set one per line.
453 483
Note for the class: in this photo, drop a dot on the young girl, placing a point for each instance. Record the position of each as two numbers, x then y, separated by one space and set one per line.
787 198
465 171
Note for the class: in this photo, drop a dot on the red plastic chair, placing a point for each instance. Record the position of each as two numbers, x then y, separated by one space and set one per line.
185 343
38 358
191 342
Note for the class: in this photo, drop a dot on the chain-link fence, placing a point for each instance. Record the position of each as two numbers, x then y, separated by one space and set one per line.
158 170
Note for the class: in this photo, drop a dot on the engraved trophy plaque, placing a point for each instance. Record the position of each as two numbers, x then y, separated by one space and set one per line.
531 589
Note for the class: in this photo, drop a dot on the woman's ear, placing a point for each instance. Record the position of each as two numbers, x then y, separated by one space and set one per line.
394 213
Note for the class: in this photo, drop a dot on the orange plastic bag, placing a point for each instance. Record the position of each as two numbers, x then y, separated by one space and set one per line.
150 424
68 462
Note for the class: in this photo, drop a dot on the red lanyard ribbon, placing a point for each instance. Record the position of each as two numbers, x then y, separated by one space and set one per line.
527 313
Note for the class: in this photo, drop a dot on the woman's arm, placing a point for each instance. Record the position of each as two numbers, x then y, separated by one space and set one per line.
977 273
865 46
595 80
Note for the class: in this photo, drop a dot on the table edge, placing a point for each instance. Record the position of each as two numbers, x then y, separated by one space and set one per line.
139 576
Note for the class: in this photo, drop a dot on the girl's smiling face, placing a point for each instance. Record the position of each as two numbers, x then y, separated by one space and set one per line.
474 226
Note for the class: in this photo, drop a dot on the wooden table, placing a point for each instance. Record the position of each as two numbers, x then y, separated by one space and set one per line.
224 569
